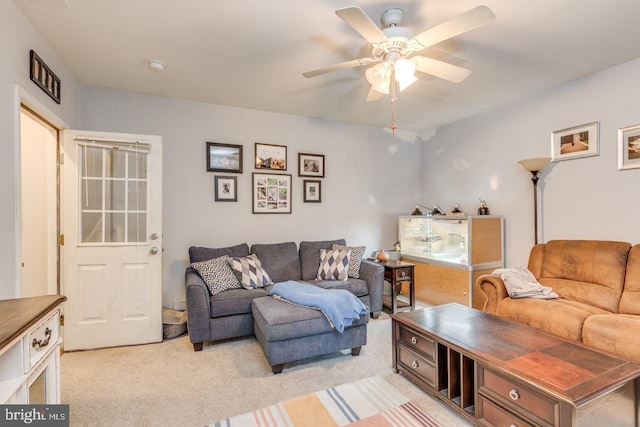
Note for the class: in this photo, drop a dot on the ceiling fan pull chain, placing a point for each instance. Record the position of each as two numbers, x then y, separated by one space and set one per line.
394 99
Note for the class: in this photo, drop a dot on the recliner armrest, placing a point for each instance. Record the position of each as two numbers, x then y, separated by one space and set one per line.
492 286
373 274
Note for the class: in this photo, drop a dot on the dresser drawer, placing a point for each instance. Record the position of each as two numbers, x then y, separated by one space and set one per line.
400 274
418 342
490 414
416 364
518 396
43 338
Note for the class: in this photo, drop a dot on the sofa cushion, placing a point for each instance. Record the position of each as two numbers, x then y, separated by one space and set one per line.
236 301
358 287
630 300
310 256
355 259
280 260
558 316
334 264
614 332
250 272
217 274
197 254
586 271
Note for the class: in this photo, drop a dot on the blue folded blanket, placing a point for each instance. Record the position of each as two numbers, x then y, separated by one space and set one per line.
339 306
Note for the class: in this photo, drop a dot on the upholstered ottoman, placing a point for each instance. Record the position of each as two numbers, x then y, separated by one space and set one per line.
288 332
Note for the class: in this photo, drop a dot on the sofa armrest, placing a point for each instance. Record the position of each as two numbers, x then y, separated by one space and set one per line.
373 274
198 306
492 286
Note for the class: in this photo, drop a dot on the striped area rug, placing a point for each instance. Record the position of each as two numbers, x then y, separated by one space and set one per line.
371 402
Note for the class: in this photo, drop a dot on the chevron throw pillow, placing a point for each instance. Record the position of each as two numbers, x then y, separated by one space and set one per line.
334 264
217 274
250 272
355 259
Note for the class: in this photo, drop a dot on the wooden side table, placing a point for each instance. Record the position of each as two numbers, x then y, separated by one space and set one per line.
397 273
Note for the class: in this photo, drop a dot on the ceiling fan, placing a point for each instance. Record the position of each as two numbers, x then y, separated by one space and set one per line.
393 48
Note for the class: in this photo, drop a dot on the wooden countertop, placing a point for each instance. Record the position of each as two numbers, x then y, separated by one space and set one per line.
18 315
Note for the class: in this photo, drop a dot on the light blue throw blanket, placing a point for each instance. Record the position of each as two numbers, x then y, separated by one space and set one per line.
339 306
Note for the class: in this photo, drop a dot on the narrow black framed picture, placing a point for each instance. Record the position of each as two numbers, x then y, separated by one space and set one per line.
224 157
312 191
226 188
42 76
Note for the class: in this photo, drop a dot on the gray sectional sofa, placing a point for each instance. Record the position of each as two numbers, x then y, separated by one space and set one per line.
228 314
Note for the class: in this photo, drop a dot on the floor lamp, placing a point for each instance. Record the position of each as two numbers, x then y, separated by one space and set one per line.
535 166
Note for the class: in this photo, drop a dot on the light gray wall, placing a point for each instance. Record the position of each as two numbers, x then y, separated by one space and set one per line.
370 176
585 198
17 37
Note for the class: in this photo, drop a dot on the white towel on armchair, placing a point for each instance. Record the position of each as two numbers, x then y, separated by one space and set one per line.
521 283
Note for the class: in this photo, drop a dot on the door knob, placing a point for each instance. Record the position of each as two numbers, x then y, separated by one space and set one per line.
154 250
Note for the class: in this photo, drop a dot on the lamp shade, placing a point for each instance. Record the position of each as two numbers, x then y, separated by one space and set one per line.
535 165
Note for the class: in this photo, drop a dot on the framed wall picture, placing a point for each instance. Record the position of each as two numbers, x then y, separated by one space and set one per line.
271 156
312 193
224 157
629 147
226 188
271 193
575 142
42 76
311 165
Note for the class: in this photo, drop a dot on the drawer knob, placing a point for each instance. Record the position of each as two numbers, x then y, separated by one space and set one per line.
415 364
514 394
42 343
404 273
414 340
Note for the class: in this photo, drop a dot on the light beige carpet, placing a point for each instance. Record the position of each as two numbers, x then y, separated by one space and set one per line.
168 384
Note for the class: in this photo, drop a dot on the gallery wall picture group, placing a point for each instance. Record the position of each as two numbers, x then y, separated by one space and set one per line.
271 193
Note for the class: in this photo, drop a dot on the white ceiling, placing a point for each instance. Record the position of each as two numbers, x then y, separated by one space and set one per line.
252 53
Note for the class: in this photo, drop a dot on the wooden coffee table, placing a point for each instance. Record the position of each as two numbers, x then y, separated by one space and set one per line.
498 372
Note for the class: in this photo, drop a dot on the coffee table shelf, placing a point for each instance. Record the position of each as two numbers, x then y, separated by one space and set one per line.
497 372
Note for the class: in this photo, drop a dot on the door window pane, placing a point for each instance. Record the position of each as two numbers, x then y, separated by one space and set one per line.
114 197
136 227
91 227
115 163
91 163
114 229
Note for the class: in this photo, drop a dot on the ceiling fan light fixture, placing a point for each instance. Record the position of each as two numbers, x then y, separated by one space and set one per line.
379 77
404 70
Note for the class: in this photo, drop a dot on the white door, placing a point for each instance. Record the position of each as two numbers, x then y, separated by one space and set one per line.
112 251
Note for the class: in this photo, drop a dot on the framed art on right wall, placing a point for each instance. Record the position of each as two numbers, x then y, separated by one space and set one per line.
575 142
629 147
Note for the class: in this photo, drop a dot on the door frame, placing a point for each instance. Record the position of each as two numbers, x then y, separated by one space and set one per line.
23 97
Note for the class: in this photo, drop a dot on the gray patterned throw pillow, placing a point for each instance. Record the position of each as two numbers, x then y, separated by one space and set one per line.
355 259
217 274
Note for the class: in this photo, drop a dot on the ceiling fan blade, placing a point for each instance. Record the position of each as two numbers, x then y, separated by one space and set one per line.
444 70
361 22
341 66
374 95
462 23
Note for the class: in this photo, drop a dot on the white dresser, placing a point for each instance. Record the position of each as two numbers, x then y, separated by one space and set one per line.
30 343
